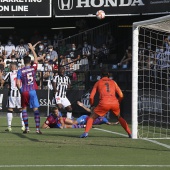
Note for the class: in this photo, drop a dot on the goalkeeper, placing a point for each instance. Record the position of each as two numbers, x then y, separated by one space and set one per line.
108 91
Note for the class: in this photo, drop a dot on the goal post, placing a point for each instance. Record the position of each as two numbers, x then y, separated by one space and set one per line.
151 79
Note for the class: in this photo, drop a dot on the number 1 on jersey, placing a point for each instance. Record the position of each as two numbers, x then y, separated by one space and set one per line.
107 87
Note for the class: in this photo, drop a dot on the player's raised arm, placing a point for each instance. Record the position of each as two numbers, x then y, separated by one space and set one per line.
33 52
84 107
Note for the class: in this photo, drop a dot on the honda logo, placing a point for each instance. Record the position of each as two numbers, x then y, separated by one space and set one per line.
65 4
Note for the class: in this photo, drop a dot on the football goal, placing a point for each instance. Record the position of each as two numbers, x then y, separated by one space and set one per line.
151 79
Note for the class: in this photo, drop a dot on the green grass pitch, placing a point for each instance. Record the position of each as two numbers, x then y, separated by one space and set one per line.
63 149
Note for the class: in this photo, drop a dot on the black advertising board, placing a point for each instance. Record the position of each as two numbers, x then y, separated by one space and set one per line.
25 8
89 8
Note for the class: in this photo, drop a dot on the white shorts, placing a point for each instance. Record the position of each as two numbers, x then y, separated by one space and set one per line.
14 102
64 101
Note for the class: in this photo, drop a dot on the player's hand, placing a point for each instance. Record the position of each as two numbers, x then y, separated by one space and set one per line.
79 103
30 46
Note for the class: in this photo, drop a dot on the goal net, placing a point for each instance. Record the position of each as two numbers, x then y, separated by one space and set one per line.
151 78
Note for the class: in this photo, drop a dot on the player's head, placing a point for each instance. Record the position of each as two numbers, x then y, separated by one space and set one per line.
27 60
13 66
105 72
61 71
55 111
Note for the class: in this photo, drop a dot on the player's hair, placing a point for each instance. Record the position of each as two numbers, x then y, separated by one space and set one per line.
53 109
27 60
105 72
13 64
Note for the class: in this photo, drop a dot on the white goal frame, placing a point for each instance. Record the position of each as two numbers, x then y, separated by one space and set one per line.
151 24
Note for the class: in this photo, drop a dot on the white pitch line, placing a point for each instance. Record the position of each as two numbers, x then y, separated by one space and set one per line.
149 140
25 166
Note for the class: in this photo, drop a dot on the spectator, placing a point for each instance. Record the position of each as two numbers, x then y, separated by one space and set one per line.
103 54
47 72
9 49
166 44
73 54
21 50
66 63
41 53
127 58
46 41
2 50
53 54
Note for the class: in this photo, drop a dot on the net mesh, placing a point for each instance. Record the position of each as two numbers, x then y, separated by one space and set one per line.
154 80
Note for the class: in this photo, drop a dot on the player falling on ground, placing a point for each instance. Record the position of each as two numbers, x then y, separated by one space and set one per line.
55 120
98 121
60 85
108 89
26 77
14 98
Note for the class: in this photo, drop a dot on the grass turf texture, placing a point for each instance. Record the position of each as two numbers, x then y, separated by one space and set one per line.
63 149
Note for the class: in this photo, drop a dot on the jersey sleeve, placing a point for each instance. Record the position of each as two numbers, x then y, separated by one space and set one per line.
35 65
119 92
49 120
54 79
19 74
6 77
92 94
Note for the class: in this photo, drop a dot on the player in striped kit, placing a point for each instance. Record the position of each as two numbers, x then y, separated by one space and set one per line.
14 98
60 85
26 77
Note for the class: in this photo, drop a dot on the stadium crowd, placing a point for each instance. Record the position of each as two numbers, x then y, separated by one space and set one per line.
51 53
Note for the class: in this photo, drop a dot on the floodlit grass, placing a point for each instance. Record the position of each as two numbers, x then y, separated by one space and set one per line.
63 149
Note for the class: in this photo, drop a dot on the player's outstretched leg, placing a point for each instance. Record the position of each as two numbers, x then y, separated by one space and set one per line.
88 127
125 126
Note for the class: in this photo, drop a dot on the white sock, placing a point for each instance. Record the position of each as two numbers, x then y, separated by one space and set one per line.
22 122
69 115
9 119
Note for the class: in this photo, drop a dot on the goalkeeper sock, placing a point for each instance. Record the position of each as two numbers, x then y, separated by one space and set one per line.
9 119
25 118
37 119
89 124
124 125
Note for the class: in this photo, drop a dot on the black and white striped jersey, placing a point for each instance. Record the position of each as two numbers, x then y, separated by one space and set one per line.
21 50
62 85
11 78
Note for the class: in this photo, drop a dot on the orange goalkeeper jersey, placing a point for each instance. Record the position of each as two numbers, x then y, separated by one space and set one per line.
108 89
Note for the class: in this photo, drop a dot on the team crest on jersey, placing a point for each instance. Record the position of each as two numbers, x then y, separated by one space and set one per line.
58 98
